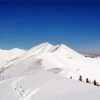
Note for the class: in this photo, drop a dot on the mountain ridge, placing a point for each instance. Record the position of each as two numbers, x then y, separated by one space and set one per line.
54 58
49 72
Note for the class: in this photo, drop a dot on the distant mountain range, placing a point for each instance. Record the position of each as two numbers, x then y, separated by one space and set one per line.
91 54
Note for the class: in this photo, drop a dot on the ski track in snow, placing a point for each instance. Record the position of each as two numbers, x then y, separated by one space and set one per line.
16 88
28 95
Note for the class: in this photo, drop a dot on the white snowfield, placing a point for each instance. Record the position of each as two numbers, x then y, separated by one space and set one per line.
28 74
46 86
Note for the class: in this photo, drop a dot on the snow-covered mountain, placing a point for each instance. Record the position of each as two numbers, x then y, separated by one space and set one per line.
58 59
29 74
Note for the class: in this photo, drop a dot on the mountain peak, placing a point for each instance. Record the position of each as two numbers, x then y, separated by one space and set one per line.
45 43
15 49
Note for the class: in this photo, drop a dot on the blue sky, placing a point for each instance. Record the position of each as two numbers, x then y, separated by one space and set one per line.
27 23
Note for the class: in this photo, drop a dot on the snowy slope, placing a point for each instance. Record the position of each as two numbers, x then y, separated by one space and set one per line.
46 86
58 59
36 74
45 56
6 55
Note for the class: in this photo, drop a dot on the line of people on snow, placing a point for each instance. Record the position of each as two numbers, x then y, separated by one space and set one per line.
88 81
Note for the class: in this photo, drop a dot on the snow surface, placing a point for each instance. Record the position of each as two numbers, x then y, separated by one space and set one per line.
6 55
59 59
46 86
36 74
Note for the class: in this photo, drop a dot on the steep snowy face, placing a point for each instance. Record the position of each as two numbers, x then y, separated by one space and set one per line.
6 55
65 50
49 48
